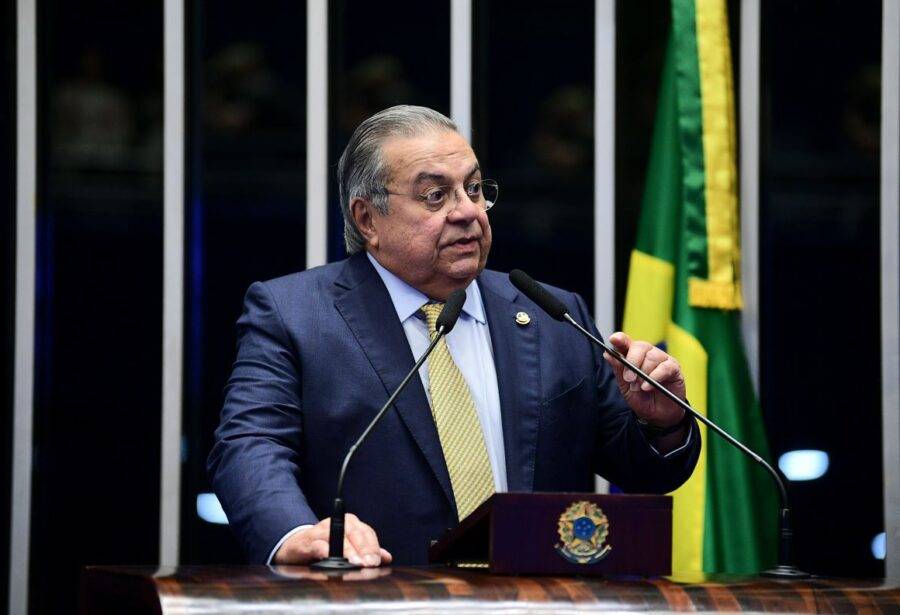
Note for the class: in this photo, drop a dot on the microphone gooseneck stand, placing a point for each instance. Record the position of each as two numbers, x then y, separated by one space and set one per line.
784 569
336 560
557 310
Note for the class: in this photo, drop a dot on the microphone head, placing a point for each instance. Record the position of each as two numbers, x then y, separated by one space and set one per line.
452 308
537 293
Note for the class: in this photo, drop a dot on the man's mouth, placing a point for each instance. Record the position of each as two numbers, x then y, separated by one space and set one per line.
464 241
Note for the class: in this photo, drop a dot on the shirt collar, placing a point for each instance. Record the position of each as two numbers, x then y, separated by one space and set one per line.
407 300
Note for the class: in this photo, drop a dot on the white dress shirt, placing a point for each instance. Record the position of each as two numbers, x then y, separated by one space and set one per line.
469 344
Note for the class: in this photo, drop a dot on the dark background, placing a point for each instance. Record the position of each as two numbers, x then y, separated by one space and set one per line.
99 277
98 341
534 131
819 268
7 277
378 58
245 211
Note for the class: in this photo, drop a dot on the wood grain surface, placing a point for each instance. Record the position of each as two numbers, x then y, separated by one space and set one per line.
291 589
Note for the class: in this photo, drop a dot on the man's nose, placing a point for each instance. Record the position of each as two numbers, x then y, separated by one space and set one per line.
464 208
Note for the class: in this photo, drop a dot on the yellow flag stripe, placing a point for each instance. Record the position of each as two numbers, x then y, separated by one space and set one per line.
648 316
721 288
689 500
649 297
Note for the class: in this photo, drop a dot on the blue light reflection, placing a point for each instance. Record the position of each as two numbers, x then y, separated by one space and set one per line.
806 464
879 545
210 510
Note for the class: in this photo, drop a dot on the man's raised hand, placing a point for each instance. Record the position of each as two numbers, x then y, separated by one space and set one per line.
648 403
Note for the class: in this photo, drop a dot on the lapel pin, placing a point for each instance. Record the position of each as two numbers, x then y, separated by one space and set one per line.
522 319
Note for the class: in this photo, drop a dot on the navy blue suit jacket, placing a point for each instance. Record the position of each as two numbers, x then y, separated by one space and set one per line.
320 351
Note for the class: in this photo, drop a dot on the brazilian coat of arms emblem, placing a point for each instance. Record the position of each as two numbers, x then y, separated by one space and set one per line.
583 529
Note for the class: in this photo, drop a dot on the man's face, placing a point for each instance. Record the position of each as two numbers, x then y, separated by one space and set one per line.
433 251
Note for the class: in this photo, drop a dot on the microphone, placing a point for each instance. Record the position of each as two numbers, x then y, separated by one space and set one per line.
540 295
557 310
446 320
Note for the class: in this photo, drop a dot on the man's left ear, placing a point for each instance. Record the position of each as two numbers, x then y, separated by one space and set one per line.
361 211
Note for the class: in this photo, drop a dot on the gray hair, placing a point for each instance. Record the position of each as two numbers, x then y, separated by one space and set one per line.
361 171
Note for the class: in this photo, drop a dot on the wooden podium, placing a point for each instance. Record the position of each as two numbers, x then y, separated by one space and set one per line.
563 534
626 539
240 590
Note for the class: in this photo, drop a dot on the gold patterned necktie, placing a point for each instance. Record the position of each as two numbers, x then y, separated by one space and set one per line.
458 427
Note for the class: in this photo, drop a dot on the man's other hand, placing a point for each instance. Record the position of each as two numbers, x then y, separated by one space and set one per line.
310 545
648 403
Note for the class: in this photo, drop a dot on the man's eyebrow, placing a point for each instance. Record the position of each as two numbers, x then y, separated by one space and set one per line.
440 177
424 176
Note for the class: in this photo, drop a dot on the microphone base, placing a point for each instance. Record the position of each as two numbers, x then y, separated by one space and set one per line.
334 563
784 572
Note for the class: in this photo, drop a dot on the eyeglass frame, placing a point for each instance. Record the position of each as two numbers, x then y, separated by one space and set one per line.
448 188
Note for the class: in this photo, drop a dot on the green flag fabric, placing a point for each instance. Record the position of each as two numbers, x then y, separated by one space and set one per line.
684 293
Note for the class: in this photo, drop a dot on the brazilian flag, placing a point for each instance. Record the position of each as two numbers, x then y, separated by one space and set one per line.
684 293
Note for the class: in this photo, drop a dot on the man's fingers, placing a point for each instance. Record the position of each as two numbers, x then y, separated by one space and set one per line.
364 540
307 545
652 360
621 341
352 546
360 543
318 549
665 372
642 355
366 544
351 553
636 353
615 364
624 345
320 529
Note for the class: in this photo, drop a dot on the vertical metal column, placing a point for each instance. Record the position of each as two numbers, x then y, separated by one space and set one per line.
173 280
461 66
749 178
604 172
23 387
316 133
890 279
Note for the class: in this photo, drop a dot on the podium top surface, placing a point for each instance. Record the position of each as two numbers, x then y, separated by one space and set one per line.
438 589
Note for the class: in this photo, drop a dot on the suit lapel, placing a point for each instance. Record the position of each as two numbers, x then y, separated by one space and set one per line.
366 307
517 362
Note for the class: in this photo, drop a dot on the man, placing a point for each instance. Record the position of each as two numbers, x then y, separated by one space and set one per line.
513 401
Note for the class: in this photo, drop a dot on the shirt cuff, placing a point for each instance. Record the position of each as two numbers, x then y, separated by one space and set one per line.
687 442
283 538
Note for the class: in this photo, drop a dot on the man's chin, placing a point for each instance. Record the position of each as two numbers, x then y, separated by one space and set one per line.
467 270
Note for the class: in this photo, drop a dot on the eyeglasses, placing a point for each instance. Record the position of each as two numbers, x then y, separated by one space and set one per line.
482 191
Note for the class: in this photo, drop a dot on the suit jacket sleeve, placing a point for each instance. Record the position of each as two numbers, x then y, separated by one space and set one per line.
254 464
624 455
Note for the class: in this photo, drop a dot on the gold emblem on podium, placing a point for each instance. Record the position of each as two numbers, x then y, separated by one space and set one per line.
583 529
